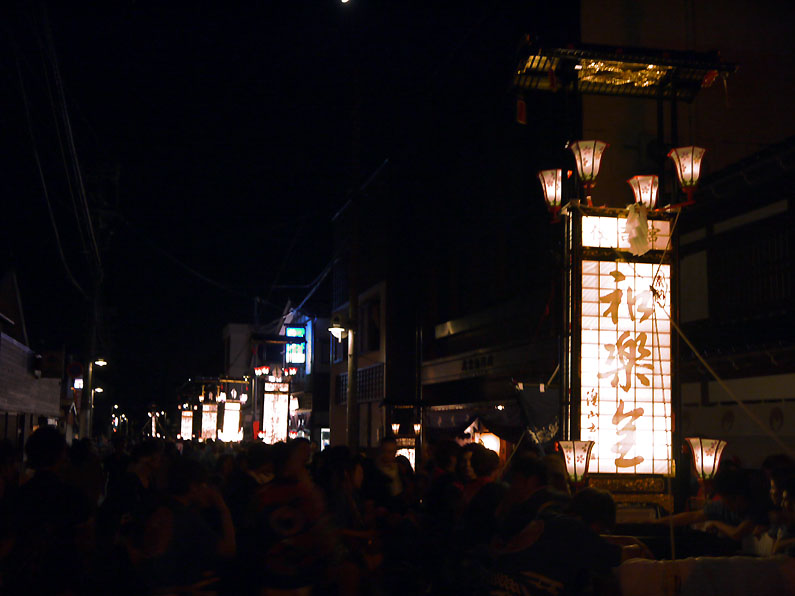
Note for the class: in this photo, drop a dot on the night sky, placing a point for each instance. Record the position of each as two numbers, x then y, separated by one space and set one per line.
215 143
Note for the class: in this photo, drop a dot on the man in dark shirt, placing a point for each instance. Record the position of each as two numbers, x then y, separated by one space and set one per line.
52 526
559 553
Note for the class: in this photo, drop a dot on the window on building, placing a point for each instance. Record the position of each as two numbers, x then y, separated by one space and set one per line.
370 325
339 350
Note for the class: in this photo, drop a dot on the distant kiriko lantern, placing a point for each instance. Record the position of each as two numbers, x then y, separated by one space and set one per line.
645 190
552 185
588 155
577 455
706 455
688 167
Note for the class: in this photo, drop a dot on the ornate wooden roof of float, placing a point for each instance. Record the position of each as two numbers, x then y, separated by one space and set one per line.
630 72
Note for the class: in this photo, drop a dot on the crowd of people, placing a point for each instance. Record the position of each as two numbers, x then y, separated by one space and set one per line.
160 517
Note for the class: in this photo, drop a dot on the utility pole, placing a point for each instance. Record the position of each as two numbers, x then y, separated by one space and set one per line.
352 410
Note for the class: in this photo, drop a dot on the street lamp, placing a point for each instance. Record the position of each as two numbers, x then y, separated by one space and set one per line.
338 328
101 362
589 156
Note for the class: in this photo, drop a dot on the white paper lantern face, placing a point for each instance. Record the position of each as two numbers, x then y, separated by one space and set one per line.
552 185
706 455
589 157
688 164
645 190
577 455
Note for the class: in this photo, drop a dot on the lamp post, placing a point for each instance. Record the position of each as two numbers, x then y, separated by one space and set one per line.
341 329
89 426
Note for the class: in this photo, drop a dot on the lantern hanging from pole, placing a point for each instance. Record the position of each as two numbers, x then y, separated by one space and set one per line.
645 189
706 455
552 185
578 456
589 156
688 167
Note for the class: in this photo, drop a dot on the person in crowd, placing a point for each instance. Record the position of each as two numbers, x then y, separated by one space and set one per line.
288 532
255 471
778 478
785 537
410 494
737 512
557 474
359 556
483 495
559 552
464 471
386 464
9 485
116 462
179 547
86 472
52 532
133 497
528 493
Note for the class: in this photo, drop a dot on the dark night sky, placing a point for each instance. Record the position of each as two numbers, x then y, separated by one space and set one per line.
230 129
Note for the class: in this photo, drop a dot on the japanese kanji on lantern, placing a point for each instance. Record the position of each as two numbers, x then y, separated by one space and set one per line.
619 349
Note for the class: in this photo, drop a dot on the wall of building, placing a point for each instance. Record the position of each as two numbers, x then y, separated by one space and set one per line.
732 120
237 349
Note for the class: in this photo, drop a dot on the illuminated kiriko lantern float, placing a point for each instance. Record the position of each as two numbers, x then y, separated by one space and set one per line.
617 376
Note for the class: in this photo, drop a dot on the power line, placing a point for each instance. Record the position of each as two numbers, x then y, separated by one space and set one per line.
182 265
71 145
43 181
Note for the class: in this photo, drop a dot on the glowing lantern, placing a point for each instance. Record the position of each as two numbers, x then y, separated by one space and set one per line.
338 328
706 455
578 456
490 441
395 427
552 185
688 167
588 155
417 428
645 189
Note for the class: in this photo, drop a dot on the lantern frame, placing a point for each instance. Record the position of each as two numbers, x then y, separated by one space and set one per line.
687 161
645 189
552 185
588 155
577 455
707 454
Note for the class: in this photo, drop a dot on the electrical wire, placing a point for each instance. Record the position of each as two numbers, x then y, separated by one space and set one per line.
71 146
43 181
181 264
